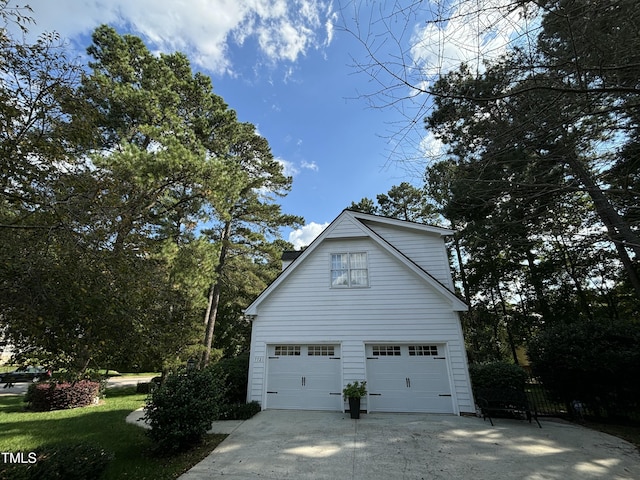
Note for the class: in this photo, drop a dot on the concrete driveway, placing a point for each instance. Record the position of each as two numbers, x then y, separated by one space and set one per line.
277 444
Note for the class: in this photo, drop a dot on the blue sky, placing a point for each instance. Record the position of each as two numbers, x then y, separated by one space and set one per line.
285 67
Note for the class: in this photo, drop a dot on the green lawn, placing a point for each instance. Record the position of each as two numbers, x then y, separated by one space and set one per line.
103 425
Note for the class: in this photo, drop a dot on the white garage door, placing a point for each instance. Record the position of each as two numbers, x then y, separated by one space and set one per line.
408 378
304 377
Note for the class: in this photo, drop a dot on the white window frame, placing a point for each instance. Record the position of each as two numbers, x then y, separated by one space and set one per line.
286 350
423 350
320 350
349 270
385 350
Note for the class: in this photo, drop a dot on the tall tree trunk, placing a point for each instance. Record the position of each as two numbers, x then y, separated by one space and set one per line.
463 272
214 296
570 268
470 316
617 229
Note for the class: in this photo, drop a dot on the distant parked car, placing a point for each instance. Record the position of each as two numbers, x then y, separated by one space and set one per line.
25 374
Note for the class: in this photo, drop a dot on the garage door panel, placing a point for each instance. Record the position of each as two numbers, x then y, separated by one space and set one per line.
285 382
329 380
284 366
304 377
430 375
386 384
437 403
430 383
408 378
388 402
284 399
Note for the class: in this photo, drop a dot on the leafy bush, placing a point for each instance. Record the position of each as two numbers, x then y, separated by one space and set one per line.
47 396
68 462
74 377
497 376
593 361
239 411
355 390
236 372
181 410
145 387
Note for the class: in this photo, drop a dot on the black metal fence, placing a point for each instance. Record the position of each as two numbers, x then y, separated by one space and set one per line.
547 405
543 402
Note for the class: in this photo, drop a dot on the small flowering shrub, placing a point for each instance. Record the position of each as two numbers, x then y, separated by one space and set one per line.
43 397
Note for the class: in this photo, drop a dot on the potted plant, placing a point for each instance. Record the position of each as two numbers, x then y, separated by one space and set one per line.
354 392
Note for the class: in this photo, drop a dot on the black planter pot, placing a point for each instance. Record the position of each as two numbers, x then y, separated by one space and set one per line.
354 407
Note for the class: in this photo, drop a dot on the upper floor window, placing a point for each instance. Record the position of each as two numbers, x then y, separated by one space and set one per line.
349 270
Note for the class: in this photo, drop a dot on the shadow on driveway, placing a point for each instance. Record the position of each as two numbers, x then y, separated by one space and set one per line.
278 444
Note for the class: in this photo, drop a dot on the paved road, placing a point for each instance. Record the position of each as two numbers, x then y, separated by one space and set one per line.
21 388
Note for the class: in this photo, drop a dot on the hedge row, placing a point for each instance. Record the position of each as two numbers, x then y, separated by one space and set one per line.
238 411
497 376
43 397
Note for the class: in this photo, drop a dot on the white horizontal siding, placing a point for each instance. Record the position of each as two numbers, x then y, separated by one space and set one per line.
348 227
257 371
353 368
398 306
425 249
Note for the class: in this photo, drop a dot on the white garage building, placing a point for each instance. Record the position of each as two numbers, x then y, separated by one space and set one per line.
370 299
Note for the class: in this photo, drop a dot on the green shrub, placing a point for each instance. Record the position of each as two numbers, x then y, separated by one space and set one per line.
497 376
239 411
68 462
593 361
47 396
236 372
146 387
74 377
181 410
354 390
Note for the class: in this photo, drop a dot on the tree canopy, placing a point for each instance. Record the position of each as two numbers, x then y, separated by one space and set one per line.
403 201
538 164
116 178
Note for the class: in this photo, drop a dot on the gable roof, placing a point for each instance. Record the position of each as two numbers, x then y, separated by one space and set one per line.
356 219
291 255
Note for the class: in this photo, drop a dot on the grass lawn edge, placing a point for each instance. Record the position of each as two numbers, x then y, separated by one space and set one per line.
103 425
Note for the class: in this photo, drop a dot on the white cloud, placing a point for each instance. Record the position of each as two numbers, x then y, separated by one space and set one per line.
306 234
291 169
201 28
332 19
288 168
476 31
310 165
431 147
